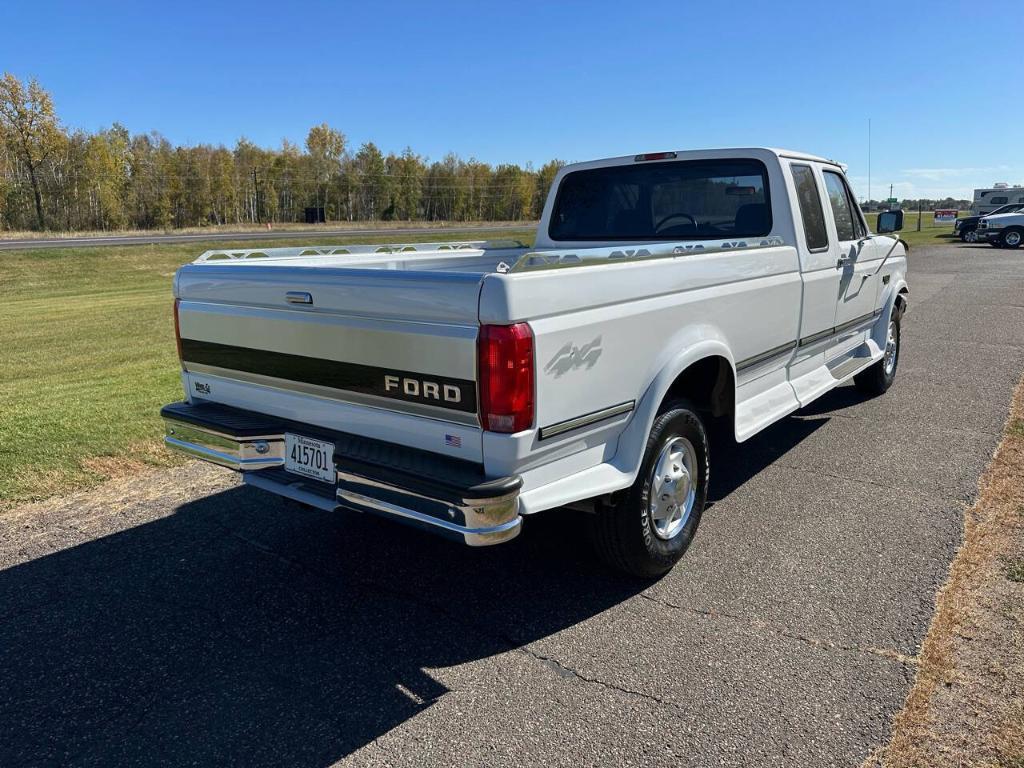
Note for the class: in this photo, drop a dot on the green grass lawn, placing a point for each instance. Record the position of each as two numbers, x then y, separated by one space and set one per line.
930 234
87 358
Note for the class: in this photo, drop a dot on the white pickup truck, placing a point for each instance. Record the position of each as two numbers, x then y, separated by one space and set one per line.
1003 230
459 387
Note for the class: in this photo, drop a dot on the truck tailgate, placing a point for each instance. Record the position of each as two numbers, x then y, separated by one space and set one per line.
335 345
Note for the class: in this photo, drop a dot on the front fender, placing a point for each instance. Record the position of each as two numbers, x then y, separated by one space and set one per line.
696 344
892 291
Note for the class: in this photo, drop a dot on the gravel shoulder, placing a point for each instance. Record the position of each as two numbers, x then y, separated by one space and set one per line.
967 704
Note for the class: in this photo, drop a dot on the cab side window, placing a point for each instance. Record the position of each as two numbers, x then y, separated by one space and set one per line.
842 210
810 207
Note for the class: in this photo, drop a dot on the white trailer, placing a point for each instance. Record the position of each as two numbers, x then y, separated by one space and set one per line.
988 199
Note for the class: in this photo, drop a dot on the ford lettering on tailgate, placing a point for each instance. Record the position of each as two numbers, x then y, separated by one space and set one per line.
429 389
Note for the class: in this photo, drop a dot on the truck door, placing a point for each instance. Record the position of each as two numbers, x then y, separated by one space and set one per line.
817 262
856 258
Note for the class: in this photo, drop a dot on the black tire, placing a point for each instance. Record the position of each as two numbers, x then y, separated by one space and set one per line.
1012 238
963 237
624 532
877 379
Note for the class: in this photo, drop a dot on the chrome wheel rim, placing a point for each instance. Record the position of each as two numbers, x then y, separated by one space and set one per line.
1013 238
971 237
673 485
890 349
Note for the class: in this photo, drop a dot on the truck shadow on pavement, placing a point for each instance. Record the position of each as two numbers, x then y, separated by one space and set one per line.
244 629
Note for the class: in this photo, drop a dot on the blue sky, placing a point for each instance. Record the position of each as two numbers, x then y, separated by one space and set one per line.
525 82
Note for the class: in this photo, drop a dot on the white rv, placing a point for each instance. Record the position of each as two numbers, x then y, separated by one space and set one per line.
988 199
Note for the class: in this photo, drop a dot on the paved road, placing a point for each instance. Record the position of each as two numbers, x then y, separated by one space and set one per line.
183 619
312 234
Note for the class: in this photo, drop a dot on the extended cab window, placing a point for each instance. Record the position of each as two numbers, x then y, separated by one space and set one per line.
842 208
810 207
689 199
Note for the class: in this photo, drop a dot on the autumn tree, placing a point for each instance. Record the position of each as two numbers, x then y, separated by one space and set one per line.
545 178
32 129
326 147
406 172
106 166
373 181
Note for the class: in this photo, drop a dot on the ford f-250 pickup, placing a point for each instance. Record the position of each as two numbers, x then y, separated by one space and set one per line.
460 387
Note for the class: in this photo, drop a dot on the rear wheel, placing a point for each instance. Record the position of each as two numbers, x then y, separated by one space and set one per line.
877 379
648 527
1012 237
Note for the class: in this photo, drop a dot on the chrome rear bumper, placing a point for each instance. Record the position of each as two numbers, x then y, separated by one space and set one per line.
428 491
479 521
240 454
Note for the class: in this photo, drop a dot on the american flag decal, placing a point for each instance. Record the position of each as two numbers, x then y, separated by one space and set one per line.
452 441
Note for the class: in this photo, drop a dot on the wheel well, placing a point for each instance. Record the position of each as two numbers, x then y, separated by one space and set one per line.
901 300
708 384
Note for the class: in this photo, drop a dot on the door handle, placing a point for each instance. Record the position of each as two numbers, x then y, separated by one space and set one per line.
298 297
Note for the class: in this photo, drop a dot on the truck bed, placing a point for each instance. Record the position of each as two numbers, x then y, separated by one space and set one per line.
476 257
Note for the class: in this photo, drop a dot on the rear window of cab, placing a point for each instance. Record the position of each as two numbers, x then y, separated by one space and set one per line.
676 200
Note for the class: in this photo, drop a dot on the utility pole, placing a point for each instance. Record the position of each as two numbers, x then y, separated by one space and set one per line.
919 214
256 188
869 160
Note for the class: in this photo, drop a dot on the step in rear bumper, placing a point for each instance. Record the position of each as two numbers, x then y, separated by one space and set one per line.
224 449
419 488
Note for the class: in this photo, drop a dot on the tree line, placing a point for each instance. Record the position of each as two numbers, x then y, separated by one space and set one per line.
925 204
53 178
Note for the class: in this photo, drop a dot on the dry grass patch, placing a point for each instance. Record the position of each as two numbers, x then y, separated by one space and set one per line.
138 458
967 704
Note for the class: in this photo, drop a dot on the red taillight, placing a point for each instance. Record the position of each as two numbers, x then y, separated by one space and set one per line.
505 362
177 330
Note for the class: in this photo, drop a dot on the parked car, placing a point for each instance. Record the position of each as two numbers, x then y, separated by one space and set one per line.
1004 230
966 228
462 387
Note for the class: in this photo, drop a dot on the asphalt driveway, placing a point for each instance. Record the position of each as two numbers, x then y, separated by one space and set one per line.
179 618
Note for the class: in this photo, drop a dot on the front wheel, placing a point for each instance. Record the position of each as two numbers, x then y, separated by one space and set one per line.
1012 238
877 379
969 237
649 526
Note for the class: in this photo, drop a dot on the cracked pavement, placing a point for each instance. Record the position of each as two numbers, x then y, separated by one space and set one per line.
179 618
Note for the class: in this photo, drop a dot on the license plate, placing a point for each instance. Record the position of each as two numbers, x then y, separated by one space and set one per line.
309 458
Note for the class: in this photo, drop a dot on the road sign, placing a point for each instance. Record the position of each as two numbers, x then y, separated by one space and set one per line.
945 214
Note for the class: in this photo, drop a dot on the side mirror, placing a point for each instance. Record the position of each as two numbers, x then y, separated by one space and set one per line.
890 221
